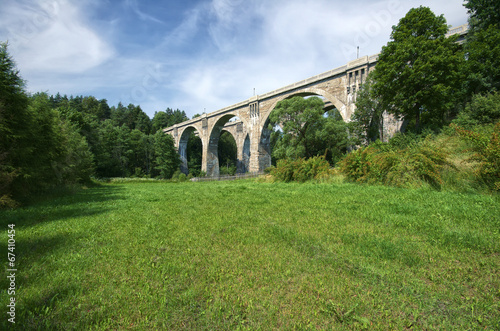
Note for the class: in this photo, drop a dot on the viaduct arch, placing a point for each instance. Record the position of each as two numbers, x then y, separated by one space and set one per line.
338 87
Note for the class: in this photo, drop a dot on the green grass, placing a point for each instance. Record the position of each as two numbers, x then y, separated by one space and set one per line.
258 256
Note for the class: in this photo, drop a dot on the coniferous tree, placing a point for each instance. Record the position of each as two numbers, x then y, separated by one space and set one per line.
14 125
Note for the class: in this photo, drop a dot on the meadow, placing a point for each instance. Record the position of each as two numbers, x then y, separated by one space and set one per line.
255 255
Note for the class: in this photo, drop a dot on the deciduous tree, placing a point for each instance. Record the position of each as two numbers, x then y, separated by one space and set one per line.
418 74
305 131
167 160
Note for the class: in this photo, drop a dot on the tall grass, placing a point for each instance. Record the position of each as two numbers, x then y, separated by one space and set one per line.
249 255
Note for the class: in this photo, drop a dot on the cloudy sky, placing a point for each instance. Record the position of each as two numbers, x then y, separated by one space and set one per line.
194 55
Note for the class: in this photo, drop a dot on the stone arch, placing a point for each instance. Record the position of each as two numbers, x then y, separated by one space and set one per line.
264 144
309 92
234 135
182 145
212 157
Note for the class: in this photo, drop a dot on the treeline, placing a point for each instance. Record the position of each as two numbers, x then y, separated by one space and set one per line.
48 141
124 141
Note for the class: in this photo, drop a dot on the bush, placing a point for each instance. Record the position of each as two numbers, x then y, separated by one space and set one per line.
487 153
300 170
179 176
481 110
227 171
389 164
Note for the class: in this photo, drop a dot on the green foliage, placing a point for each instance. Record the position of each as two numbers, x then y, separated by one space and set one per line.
59 154
119 137
227 152
227 170
483 109
178 176
482 67
367 122
14 125
132 117
77 164
390 164
39 149
305 132
169 117
487 153
300 170
482 14
418 74
194 151
167 160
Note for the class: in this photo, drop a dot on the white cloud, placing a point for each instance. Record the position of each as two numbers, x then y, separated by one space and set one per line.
296 40
53 37
143 16
185 31
216 54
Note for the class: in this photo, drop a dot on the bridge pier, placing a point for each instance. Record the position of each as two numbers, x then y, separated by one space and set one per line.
338 88
210 163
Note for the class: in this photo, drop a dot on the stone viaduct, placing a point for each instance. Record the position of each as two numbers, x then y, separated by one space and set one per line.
337 87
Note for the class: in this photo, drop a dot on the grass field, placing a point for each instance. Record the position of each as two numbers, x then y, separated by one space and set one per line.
257 256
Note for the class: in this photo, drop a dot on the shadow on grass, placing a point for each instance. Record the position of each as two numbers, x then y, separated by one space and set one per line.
84 202
38 256
32 265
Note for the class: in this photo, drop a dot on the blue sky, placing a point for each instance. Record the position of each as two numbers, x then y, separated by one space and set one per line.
194 55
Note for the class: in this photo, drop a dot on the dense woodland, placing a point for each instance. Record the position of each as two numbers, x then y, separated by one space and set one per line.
422 77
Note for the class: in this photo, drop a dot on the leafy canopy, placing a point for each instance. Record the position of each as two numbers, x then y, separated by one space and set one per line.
483 13
305 131
367 121
417 76
483 47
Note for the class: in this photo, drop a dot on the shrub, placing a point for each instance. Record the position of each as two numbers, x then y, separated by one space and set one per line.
483 109
487 153
176 174
300 170
284 170
227 171
391 164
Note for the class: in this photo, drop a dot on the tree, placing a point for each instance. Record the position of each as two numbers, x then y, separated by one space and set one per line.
367 121
482 13
483 61
167 160
418 75
160 121
482 47
14 120
169 117
227 151
305 131
59 154
194 152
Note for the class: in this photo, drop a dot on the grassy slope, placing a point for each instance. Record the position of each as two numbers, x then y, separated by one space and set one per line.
224 255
